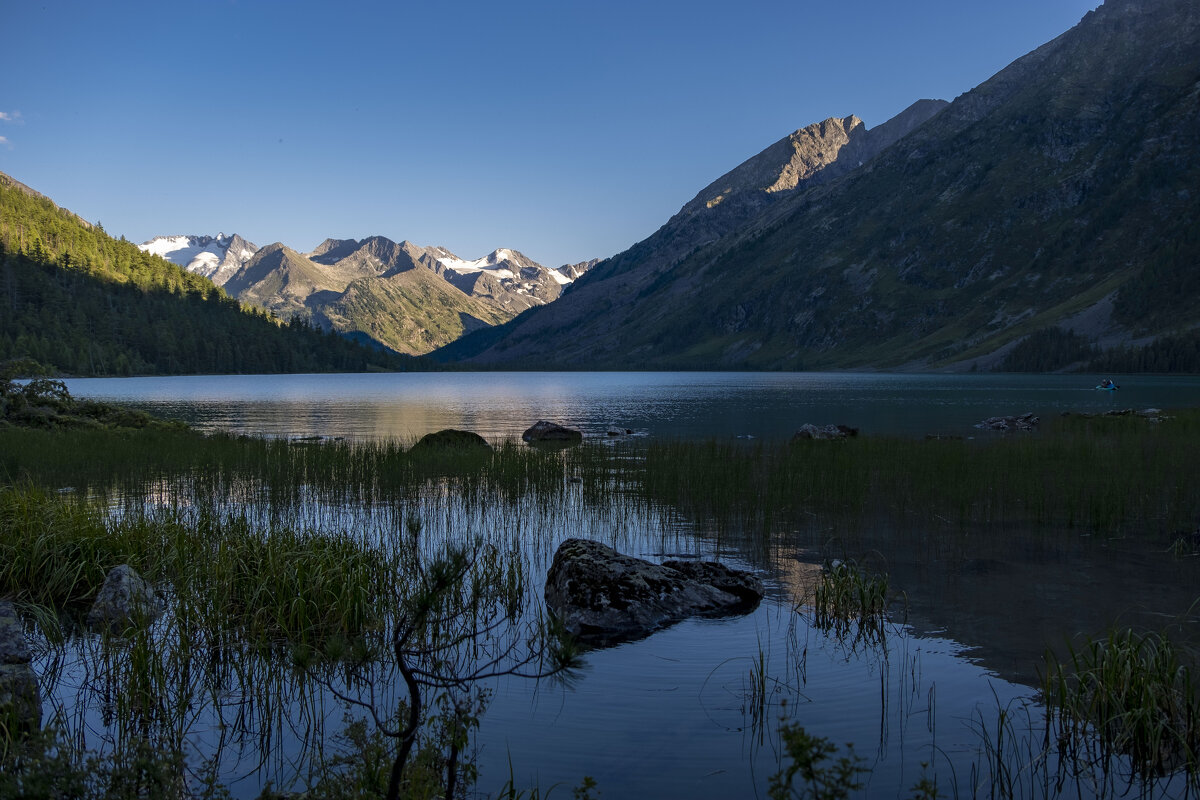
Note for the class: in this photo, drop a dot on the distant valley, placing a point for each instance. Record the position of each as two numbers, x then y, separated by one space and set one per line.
406 298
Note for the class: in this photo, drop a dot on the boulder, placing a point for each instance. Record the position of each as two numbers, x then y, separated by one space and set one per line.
603 597
543 431
810 431
1023 422
20 697
13 649
451 439
736 582
124 601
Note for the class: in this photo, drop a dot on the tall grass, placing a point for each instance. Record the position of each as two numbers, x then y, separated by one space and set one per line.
1128 697
848 599
1112 476
285 562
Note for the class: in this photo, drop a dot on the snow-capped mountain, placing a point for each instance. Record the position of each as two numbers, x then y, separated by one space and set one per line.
506 276
408 298
215 257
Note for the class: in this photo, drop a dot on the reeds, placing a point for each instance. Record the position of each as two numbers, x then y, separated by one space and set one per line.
281 555
1109 475
848 598
1128 698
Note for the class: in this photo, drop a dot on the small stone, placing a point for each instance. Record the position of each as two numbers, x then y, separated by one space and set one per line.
125 600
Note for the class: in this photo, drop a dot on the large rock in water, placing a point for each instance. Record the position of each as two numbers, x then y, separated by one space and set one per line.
451 440
543 431
603 597
124 601
20 698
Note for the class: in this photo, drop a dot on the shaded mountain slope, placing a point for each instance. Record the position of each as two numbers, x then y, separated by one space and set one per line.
1063 189
82 303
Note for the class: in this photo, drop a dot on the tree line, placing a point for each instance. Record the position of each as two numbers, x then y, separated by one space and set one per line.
80 302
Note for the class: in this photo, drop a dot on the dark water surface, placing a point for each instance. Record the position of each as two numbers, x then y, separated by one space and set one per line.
500 405
677 714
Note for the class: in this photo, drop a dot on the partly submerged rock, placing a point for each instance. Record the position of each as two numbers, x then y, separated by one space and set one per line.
810 431
543 431
20 698
1022 422
124 601
451 439
603 597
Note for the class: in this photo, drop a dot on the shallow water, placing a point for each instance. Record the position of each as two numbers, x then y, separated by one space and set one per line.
500 405
675 714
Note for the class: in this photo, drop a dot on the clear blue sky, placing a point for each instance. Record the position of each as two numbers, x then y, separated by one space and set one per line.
565 130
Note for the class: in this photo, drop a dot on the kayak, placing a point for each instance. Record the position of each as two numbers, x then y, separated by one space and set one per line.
1111 388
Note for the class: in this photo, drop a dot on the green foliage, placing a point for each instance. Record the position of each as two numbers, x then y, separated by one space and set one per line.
46 403
47 765
822 777
1048 350
1130 695
846 597
1172 353
83 303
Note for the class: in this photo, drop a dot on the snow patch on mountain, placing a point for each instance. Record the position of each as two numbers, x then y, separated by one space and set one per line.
214 257
501 264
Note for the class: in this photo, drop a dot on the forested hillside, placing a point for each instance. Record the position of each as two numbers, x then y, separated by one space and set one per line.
82 303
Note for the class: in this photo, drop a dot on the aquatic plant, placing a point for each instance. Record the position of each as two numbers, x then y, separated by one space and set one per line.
1131 696
846 596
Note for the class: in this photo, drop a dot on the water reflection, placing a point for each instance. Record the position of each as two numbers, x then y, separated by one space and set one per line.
687 405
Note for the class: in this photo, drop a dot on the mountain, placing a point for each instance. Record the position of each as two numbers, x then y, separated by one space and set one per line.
1058 198
401 296
214 257
82 303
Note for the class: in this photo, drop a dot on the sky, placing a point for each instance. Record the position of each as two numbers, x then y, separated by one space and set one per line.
562 129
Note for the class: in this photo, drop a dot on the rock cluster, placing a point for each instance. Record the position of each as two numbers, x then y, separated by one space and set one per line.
20 698
1149 414
603 597
1023 422
810 431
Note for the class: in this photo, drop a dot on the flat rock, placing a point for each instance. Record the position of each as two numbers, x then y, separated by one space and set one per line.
544 431
124 601
604 597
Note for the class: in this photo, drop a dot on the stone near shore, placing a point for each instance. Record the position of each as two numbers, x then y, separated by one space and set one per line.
604 597
20 697
544 431
450 439
1022 422
810 431
124 601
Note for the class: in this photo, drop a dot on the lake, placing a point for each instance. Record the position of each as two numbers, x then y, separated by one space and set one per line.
499 405
693 711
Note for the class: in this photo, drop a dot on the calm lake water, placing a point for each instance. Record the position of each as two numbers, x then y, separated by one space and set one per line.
500 405
675 715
